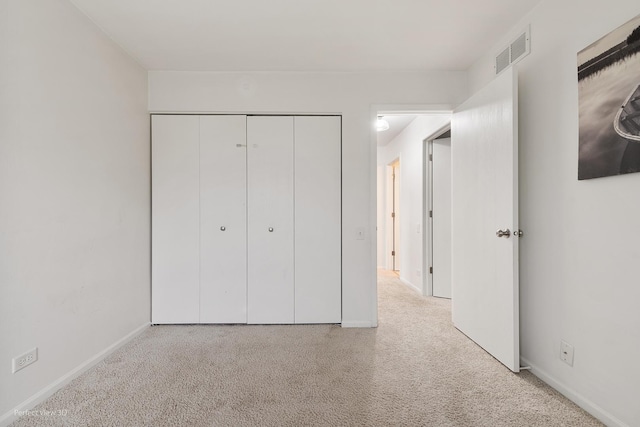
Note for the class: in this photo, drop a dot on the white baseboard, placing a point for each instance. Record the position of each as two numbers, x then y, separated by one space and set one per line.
575 397
356 324
46 392
411 285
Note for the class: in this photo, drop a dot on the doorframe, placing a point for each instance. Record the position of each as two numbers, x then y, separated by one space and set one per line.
374 111
392 233
427 207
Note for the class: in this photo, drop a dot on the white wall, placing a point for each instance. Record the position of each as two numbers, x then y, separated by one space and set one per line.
579 254
349 94
409 148
74 194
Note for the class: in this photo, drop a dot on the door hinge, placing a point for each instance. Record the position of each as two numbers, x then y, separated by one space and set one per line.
430 270
430 214
393 253
393 214
431 157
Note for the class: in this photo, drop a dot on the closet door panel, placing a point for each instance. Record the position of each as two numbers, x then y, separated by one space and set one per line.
223 226
175 219
318 220
270 219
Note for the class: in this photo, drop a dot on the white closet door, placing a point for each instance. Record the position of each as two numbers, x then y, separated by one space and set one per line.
223 226
175 219
270 219
318 220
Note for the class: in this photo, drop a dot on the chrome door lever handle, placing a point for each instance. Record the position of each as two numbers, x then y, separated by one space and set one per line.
503 233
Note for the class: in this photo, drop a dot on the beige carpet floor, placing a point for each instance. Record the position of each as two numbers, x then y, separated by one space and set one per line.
415 369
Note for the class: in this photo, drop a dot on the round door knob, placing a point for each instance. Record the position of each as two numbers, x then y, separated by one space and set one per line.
223 228
270 229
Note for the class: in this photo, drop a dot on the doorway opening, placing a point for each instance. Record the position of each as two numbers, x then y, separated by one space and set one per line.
484 197
402 222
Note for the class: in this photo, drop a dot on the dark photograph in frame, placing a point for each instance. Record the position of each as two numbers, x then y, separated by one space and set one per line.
609 104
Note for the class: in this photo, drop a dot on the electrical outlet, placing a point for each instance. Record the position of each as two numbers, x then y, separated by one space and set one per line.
566 353
24 360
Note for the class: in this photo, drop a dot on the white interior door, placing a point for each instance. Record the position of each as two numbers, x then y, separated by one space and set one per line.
484 200
318 220
395 213
223 219
270 219
441 222
175 219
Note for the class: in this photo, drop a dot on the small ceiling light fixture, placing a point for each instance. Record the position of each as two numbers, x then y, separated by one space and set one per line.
382 124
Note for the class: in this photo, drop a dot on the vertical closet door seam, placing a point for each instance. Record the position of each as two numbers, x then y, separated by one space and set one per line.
341 232
199 219
246 217
293 215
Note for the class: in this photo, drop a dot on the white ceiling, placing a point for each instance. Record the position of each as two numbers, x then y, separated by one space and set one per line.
305 35
397 123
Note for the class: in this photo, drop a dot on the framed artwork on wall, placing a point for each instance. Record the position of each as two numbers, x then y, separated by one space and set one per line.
609 104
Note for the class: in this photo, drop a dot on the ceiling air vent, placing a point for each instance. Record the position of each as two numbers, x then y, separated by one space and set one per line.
503 60
514 52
